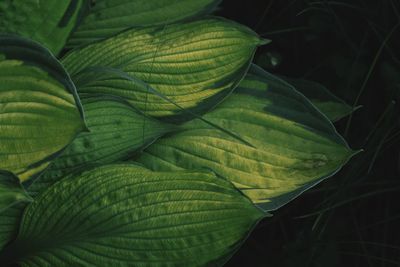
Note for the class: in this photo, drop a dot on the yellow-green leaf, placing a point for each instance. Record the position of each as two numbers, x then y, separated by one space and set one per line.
194 64
293 145
40 112
117 132
122 215
48 22
108 17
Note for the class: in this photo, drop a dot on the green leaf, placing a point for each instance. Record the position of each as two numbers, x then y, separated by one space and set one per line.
333 107
122 215
9 223
109 17
40 112
294 146
11 191
194 64
117 131
48 22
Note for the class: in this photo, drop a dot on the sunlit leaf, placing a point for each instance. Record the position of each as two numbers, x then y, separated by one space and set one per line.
194 64
294 146
120 215
48 22
117 132
39 111
108 17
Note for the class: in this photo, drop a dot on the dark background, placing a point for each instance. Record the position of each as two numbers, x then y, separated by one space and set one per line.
351 47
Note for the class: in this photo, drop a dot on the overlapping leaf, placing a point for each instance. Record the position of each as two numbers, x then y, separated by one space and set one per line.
293 147
117 131
11 191
39 108
194 64
108 17
49 22
333 107
123 215
9 223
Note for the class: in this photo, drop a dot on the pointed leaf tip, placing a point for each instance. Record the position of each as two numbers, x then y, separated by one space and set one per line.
264 41
294 148
122 215
210 55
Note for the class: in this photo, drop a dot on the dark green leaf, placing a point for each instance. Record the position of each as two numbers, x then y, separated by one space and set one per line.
122 215
333 107
9 223
48 22
11 191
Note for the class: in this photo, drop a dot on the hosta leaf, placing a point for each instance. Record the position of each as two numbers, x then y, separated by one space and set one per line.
120 215
9 223
333 107
11 191
194 64
48 22
39 109
108 17
293 147
117 131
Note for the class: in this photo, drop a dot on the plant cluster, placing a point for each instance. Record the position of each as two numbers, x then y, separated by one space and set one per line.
140 133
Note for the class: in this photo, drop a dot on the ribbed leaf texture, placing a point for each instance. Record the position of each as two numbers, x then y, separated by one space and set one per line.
108 17
123 215
292 145
117 132
48 22
9 223
194 64
39 110
11 191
